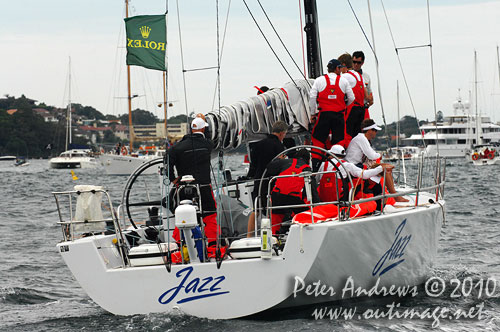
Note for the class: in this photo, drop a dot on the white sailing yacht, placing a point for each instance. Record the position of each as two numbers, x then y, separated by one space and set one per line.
73 158
483 153
127 268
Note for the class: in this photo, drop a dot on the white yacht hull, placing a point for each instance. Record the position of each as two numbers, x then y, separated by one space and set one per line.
125 165
79 162
447 151
396 247
486 161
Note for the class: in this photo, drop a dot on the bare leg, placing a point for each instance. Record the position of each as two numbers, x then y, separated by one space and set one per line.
389 183
251 225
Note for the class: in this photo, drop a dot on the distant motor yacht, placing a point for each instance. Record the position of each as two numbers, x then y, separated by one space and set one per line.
76 158
455 134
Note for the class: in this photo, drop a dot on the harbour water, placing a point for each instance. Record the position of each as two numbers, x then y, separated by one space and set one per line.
38 292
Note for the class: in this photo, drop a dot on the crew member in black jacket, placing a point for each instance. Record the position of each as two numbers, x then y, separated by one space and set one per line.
261 153
191 156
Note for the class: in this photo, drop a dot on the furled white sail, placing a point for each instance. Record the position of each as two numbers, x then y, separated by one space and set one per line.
252 119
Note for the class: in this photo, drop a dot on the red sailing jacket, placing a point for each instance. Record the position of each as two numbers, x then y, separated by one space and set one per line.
292 186
358 90
330 183
332 97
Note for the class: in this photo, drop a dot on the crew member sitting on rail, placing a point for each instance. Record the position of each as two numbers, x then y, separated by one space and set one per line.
191 156
290 190
331 185
327 96
361 154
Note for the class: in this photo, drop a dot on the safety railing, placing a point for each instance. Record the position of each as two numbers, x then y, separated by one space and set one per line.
438 186
73 229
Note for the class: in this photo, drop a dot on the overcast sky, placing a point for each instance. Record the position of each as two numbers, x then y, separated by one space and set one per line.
38 37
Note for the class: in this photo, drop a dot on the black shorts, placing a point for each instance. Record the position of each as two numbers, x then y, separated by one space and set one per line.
353 122
329 122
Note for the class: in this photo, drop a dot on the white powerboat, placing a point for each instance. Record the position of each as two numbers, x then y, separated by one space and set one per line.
120 164
76 158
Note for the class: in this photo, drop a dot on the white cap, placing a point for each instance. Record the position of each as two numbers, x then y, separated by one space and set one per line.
373 126
338 150
198 123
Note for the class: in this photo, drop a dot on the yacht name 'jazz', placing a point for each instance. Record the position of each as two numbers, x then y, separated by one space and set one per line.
194 289
394 255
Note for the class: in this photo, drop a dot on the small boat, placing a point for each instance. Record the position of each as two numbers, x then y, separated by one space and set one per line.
76 158
485 154
21 161
126 164
7 158
482 153
72 158
403 152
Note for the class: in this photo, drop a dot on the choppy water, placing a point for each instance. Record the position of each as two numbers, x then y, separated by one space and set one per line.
38 292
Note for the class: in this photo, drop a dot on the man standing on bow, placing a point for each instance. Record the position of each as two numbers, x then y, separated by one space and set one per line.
328 106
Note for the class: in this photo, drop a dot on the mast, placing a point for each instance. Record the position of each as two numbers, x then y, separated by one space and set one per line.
498 64
165 102
312 39
129 97
399 119
68 126
478 124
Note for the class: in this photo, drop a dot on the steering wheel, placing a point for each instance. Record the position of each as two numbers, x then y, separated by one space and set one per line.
130 183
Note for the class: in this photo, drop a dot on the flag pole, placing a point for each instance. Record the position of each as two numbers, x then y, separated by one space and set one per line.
165 76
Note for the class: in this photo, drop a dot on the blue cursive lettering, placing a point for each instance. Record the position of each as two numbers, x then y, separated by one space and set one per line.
394 254
191 289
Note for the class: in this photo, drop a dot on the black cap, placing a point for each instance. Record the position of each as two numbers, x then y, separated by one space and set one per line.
333 64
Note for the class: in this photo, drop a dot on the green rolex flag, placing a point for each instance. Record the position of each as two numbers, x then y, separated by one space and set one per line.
146 41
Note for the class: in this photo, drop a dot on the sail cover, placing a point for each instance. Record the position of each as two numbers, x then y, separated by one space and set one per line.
252 119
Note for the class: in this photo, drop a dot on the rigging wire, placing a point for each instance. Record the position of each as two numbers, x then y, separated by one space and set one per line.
283 44
218 257
432 75
302 37
221 51
182 59
269 44
376 61
402 71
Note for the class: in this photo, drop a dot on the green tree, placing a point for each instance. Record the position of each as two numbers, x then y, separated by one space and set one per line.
140 117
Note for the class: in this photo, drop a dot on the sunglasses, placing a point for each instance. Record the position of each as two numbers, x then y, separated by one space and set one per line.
357 62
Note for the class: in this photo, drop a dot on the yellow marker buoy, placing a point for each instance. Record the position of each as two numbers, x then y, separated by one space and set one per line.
73 175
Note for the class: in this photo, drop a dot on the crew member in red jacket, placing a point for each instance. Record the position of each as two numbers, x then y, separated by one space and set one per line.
290 190
328 105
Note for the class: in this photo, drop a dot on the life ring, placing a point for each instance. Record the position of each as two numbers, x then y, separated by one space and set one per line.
491 155
124 150
475 156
